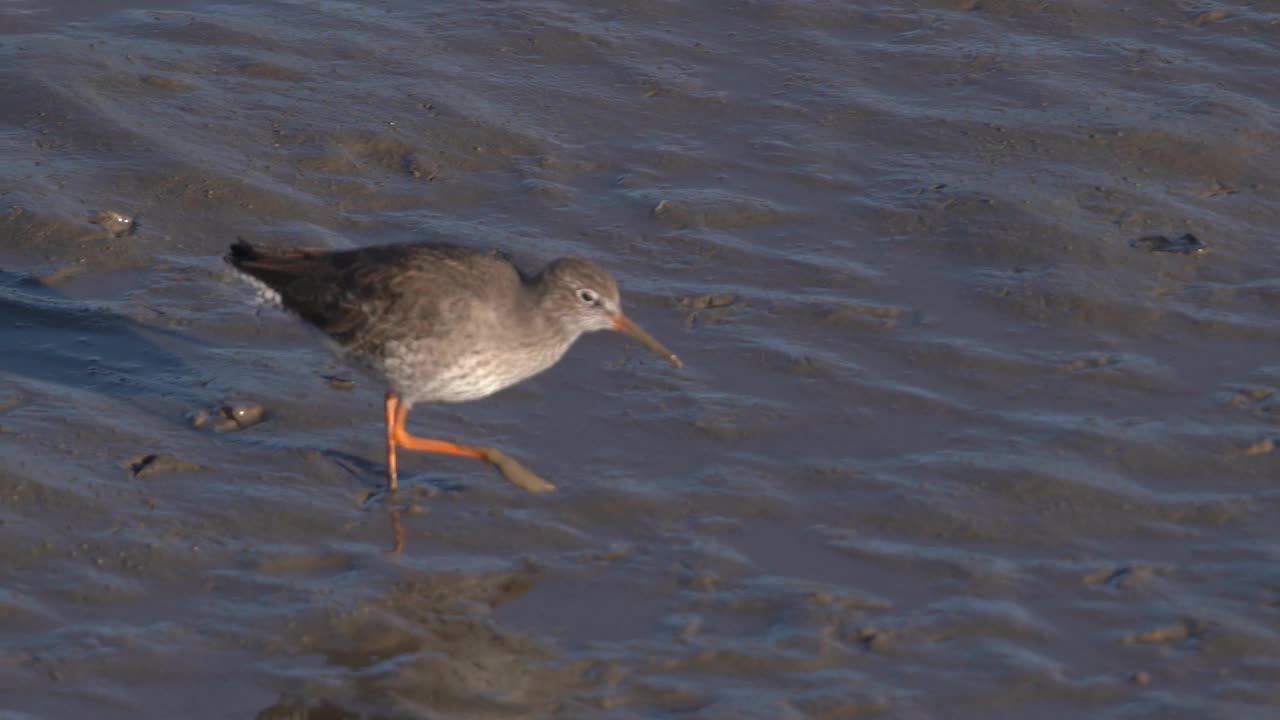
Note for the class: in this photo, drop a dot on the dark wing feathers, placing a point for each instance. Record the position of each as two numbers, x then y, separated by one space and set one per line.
361 297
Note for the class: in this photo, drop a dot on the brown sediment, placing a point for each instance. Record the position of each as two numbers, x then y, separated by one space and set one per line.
272 71
942 418
166 83
154 463
340 383
709 300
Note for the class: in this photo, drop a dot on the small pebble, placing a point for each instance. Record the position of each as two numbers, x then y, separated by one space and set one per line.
1141 678
238 417
118 224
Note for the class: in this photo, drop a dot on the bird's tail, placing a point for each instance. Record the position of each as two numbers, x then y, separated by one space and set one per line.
269 270
277 268
242 251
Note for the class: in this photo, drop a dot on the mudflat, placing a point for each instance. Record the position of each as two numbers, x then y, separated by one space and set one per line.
978 302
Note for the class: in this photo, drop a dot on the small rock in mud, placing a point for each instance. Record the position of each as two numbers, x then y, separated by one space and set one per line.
228 418
116 223
1187 244
231 418
1141 678
709 301
153 463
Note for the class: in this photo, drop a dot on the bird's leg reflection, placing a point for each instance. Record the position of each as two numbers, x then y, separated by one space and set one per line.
397 531
393 514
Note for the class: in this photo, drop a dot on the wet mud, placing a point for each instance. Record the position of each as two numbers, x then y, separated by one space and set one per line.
969 424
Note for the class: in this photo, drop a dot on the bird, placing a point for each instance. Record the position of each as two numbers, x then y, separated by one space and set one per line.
437 322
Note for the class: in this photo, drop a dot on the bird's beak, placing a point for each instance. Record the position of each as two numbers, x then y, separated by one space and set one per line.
624 325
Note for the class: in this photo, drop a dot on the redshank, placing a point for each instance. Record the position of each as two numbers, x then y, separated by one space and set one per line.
441 323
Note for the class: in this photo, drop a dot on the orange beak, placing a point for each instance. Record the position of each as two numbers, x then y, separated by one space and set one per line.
624 325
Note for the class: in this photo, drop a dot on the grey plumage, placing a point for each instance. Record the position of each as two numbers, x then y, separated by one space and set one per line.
439 322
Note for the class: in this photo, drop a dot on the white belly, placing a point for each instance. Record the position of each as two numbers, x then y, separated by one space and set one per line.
417 374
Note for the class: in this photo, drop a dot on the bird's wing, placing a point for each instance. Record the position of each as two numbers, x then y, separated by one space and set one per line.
363 298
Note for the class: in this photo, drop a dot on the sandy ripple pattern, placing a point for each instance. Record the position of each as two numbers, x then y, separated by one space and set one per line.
950 443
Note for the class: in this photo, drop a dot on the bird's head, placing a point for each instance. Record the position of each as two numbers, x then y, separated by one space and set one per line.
584 298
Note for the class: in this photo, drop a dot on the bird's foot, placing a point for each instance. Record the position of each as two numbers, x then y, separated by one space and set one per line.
516 473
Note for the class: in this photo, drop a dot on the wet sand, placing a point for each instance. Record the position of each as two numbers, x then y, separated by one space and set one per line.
955 438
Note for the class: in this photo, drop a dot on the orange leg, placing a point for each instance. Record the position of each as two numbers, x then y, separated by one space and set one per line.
403 439
397 436
392 405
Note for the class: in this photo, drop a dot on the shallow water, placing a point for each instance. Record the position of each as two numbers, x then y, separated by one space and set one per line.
948 444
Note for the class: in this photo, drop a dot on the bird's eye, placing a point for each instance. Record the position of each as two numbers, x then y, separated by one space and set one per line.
588 296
